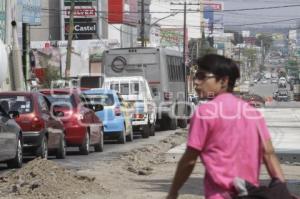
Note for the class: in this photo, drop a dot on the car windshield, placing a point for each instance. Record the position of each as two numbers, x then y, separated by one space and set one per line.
20 103
104 99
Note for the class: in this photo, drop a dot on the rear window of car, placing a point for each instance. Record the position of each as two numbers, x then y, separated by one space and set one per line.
104 99
22 104
62 100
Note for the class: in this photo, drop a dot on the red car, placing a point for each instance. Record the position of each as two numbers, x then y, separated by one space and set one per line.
41 132
83 128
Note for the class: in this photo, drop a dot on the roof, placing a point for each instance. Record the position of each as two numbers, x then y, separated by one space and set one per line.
100 91
128 78
26 93
59 90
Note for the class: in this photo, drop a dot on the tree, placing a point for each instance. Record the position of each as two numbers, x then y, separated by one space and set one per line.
51 74
265 41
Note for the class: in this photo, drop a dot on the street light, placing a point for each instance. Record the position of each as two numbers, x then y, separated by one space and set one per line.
170 15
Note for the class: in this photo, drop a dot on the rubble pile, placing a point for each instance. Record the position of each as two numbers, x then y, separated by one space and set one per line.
140 161
41 178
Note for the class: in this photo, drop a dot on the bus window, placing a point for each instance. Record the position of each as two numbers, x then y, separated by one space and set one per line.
155 91
114 86
134 90
124 89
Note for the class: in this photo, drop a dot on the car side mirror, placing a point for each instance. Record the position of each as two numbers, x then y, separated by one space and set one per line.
96 107
14 114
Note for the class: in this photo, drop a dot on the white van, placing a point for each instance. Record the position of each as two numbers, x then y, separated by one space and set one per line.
136 92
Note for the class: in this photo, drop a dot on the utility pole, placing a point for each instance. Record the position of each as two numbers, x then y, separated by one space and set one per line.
70 39
143 23
184 54
17 77
25 56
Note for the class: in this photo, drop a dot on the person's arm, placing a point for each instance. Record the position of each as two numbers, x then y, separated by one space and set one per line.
271 161
183 171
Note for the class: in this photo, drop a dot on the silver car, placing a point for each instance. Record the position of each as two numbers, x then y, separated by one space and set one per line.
10 140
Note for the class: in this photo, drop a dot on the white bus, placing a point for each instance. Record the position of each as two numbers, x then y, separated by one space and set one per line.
163 69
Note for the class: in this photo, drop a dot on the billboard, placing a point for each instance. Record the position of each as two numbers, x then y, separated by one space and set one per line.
122 12
173 37
81 11
2 20
31 11
85 53
82 28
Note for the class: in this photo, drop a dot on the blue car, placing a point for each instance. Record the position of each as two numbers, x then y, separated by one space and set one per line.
116 116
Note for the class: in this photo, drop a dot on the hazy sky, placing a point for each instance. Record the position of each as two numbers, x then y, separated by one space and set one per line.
233 18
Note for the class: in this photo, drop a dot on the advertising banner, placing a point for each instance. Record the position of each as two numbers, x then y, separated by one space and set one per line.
69 1
31 11
2 20
82 11
84 52
122 12
82 28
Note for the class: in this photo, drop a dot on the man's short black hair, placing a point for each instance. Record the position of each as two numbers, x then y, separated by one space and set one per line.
221 67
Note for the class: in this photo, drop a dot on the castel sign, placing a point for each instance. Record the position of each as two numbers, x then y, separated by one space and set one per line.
83 28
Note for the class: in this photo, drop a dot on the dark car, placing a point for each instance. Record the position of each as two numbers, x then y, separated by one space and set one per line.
82 127
10 140
254 100
41 132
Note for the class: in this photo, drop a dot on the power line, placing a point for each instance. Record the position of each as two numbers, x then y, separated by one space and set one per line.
190 11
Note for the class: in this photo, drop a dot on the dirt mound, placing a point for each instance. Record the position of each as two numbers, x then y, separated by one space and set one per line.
45 179
140 160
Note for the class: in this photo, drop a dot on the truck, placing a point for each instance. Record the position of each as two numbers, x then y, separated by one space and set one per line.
163 69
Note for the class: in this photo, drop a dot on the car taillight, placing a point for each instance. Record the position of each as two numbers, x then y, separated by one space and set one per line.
138 116
168 96
37 123
117 111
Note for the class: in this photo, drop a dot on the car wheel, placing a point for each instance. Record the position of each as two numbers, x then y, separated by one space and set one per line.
182 123
99 146
152 129
146 131
17 161
85 147
172 124
62 151
122 139
130 136
42 151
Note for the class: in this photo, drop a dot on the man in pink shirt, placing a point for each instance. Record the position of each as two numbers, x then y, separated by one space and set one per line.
227 133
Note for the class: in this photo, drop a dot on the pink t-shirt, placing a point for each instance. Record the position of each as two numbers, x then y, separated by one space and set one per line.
224 131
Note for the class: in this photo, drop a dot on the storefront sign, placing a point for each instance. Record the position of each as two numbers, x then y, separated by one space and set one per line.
82 28
82 11
2 20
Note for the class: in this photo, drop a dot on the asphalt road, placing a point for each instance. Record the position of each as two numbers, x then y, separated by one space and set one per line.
112 150
266 90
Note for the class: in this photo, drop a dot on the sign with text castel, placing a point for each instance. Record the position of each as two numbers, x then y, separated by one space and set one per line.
82 11
122 12
82 28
